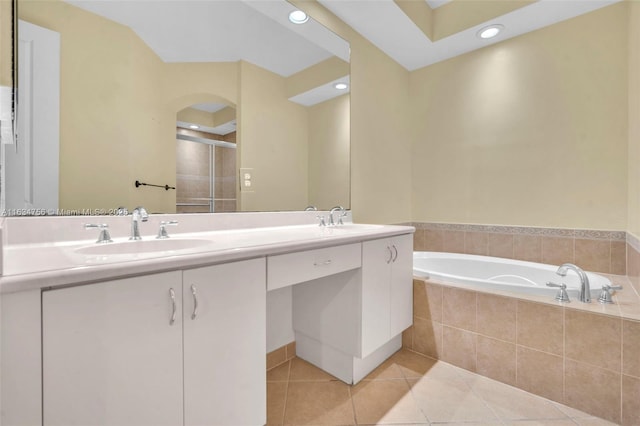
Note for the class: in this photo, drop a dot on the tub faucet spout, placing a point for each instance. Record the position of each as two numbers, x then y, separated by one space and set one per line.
585 289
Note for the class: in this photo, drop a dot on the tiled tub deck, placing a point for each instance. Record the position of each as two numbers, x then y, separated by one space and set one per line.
586 356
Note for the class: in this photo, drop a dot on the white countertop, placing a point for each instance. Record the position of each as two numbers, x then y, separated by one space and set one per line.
32 266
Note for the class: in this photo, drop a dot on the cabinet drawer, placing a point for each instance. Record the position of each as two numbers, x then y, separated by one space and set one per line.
293 268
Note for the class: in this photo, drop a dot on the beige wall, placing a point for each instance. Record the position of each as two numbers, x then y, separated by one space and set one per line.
530 131
329 153
633 220
111 133
123 128
273 142
380 142
5 42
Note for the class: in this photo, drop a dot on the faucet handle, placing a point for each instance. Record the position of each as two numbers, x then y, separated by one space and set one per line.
104 236
321 220
162 232
562 295
121 211
605 294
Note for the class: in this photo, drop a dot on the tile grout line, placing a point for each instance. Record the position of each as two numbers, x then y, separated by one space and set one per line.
286 392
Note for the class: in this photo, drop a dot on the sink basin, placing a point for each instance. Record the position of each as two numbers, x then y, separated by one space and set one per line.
143 246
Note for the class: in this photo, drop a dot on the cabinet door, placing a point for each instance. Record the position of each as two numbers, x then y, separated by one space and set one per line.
225 344
377 256
401 284
110 354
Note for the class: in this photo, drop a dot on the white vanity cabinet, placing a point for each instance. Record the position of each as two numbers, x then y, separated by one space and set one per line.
224 344
348 323
110 356
148 351
387 290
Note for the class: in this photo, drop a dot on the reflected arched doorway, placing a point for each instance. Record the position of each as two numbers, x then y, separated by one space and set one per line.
206 158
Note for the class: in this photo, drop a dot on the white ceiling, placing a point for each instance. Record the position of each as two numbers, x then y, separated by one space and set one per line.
258 30
384 24
224 31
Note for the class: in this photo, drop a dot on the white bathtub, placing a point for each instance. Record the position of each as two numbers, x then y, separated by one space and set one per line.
500 274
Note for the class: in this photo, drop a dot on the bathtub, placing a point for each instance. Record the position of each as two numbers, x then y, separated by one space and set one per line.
494 273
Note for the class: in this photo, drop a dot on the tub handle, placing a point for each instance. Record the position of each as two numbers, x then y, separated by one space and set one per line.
562 295
605 294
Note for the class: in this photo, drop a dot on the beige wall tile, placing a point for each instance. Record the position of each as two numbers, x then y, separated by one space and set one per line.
459 347
433 240
593 255
407 338
427 300
630 401
633 261
527 247
291 350
427 337
557 250
476 243
593 390
540 327
500 245
418 240
496 359
385 401
618 257
459 308
496 316
277 357
594 339
453 241
540 373
631 348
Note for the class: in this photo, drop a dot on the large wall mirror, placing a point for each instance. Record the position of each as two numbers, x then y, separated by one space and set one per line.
209 106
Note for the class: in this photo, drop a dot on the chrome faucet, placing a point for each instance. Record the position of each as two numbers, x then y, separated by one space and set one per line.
342 214
585 289
138 214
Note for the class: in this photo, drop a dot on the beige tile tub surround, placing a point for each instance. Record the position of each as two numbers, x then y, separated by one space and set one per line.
593 250
574 354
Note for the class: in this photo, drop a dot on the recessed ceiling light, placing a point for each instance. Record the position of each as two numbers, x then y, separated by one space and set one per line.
298 17
340 86
193 126
490 31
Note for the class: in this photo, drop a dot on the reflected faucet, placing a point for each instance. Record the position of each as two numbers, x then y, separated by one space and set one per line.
138 214
585 289
342 211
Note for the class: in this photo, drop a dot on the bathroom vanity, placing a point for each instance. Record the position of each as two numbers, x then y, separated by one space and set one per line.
178 335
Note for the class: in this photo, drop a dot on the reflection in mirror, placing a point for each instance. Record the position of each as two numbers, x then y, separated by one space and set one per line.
128 70
206 159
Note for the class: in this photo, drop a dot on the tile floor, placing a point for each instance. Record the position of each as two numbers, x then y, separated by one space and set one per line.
408 389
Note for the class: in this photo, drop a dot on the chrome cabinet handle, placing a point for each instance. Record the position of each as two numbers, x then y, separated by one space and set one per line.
172 295
395 253
325 263
390 255
195 302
